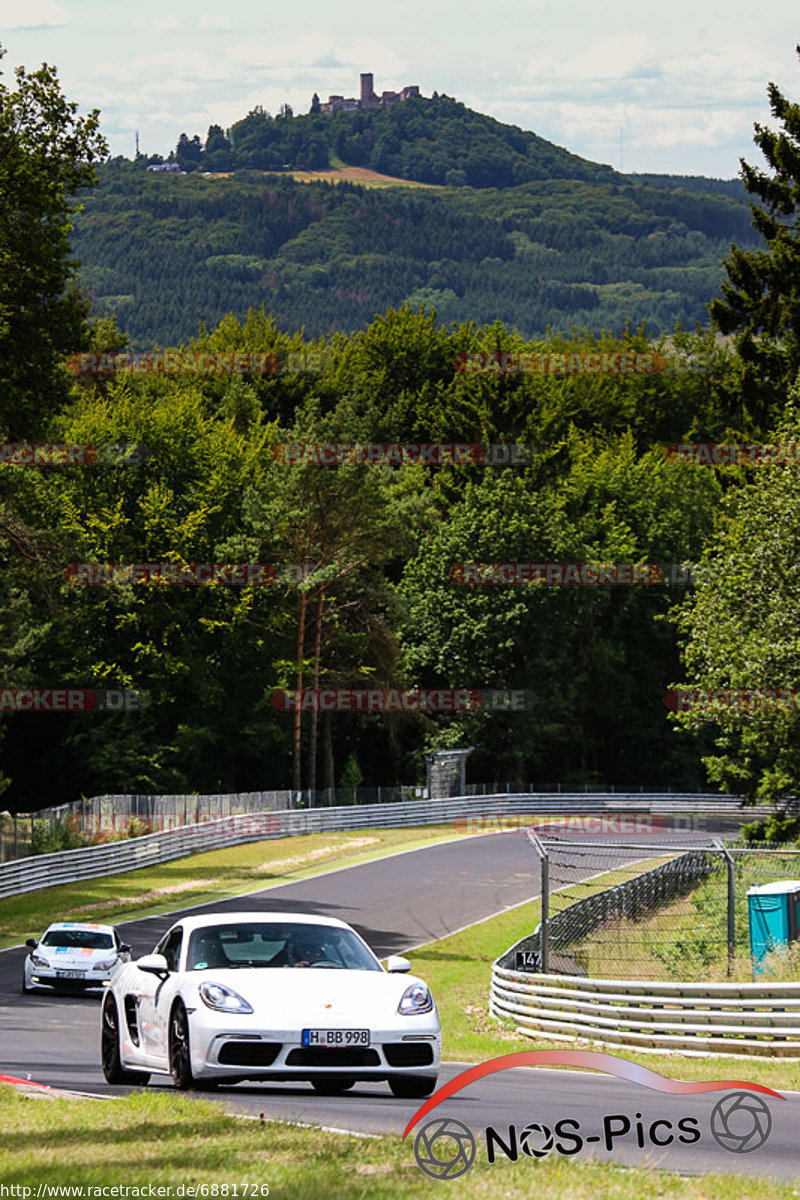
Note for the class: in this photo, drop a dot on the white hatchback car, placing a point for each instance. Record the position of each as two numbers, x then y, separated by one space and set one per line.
72 955
255 995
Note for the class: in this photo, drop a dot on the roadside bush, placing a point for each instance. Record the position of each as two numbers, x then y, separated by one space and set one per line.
138 826
60 835
777 828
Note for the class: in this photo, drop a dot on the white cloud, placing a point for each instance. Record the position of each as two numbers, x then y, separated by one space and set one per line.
626 56
192 68
214 22
291 59
34 14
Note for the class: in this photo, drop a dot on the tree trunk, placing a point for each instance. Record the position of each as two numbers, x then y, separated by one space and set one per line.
298 712
327 751
312 741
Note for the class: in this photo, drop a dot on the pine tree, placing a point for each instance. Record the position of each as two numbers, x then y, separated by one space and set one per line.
761 300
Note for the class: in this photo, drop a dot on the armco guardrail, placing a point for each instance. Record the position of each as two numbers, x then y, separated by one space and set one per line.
114 813
720 1018
45 870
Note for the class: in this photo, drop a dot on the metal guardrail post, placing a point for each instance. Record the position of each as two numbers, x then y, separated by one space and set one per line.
545 909
544 865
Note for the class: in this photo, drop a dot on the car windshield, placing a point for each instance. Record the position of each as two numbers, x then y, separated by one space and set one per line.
78 939
277 944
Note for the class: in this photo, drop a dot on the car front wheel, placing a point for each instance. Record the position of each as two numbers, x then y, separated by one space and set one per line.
109 1048
180 1062
412 1087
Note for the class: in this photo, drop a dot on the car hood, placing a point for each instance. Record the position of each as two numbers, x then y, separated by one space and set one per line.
305 992
67 957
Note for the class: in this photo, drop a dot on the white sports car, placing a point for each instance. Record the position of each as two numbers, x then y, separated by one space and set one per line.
72 955
223 998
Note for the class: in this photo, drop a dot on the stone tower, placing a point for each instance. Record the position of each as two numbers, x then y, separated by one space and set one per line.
367 94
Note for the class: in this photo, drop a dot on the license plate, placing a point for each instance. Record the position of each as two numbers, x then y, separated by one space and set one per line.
70 974
335 1037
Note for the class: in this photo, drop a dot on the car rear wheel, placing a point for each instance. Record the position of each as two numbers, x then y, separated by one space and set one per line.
109 1048
412 1087
331 1087
180 1062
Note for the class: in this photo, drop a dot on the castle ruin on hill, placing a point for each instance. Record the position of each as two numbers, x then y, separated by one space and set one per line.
367 100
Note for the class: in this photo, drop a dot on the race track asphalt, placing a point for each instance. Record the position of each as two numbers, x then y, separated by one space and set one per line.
396 903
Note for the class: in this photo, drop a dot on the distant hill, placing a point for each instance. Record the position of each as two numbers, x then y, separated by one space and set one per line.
432 141
696 183
515 229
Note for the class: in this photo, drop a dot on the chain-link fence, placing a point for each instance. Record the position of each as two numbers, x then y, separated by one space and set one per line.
104 818
16 837
653 912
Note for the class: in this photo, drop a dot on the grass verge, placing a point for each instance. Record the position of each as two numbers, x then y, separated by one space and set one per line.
214 875
168 1140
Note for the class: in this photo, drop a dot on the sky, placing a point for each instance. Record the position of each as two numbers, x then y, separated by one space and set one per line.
673 88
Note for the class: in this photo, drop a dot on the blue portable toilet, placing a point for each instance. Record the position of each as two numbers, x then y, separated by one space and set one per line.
774 915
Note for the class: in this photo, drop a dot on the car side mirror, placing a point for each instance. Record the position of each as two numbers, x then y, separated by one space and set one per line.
32 942
397 965
124 949
153 964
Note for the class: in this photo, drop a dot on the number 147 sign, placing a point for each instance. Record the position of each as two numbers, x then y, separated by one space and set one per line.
528 960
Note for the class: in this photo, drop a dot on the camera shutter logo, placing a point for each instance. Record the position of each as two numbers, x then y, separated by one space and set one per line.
740 1122
536 1140
444 1162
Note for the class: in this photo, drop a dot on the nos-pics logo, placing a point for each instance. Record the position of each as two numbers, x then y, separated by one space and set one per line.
445 1148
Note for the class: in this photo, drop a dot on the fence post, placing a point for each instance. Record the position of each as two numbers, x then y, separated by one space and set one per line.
544 864
731 904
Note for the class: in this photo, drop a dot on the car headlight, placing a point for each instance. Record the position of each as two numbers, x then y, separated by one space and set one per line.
38 961
105 966
416 999
223 999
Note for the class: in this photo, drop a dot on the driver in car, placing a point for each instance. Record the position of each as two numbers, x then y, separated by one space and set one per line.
300 952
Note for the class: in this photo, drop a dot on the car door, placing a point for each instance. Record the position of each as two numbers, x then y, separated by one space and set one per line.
165 993
155 998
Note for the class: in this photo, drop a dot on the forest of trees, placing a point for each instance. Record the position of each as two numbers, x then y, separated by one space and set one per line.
167 254
377 603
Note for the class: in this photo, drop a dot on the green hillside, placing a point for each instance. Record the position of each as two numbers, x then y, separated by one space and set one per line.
167 253
433 141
